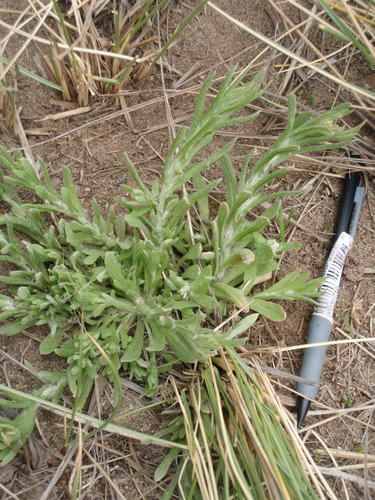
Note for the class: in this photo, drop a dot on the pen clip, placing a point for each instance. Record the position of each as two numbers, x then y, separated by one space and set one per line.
358 199
350 203
347 205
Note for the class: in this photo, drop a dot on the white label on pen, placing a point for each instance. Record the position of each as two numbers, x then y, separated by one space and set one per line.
332 276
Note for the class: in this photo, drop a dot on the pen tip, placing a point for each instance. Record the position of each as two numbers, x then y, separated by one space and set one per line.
303 406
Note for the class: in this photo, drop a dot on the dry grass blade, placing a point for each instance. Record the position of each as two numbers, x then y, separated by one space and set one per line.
348 477
75 482
350 86
347 454
91 421
305 346
105 475
24 142
58 472
8 492
7 108
199 454
67 114
357 16
22 49
78 50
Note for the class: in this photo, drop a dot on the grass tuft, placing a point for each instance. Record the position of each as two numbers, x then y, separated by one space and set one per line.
111 61
234 430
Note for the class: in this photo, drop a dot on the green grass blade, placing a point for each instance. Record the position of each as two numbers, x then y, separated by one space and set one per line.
32 75
93 421
348 33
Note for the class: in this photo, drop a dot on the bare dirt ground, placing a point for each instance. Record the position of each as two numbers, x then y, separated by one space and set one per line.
94 153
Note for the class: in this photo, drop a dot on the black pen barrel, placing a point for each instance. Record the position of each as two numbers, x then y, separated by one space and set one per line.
346 207
322 319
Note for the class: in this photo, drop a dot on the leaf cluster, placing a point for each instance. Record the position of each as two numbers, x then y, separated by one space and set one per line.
143 287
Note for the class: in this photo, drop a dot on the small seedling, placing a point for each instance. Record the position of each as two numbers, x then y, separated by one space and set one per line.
319 459
348 403
358 449
310 99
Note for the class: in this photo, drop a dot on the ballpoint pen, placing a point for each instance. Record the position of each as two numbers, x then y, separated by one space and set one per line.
322 318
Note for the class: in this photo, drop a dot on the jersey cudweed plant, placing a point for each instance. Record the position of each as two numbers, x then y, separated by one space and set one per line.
139 291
